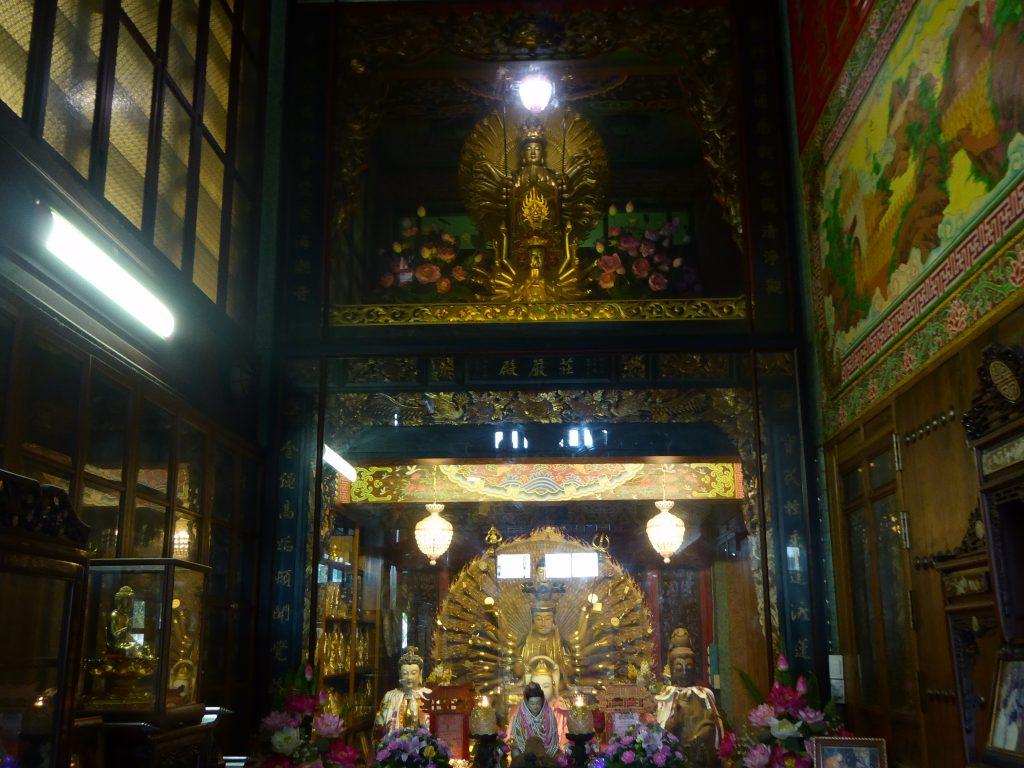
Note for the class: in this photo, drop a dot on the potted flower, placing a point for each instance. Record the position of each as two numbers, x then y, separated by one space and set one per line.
779 728
645 746
412 748
301 735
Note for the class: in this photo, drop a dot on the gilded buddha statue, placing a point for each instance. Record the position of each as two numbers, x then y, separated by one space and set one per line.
688 709
404 706
533 191
120 639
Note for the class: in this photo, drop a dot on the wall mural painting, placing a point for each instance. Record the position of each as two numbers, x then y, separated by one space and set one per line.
912 196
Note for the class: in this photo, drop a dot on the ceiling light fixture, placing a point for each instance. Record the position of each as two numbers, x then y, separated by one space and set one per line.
535 92
433 532
82 255
347 470
665 530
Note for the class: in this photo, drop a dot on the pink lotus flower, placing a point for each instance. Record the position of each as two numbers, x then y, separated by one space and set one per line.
277 720
328 725
641 267
782 663
727 747
761 715
606 280
786 699
628 756
810 715
309 672
300 705
758 756
657 281
610 262
343 754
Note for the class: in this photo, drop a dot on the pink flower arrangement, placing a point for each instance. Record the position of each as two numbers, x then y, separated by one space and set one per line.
425 264
645 746
781 725
298 736
642 261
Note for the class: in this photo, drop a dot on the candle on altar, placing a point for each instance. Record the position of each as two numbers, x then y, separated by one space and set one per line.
581 717
483 720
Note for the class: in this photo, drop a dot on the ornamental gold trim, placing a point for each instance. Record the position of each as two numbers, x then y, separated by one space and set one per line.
632 310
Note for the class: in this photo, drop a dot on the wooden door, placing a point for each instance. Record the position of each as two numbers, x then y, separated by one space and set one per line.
873 587
939 493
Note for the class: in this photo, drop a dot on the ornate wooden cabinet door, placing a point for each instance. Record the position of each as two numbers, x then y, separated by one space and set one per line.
939 493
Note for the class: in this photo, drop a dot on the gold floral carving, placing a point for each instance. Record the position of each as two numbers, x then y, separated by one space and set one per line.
639 310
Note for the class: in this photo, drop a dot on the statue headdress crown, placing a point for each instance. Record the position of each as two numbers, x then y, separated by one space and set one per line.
411 655
533 130
541 668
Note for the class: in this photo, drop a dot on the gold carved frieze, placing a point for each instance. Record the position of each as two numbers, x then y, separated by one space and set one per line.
659 406
633 310
545 482
381 370
693 365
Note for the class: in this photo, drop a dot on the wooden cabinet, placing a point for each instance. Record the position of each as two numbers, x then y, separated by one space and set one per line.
995 426
42 587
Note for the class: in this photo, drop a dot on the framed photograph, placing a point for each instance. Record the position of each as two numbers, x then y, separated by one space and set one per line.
1006 732
849 752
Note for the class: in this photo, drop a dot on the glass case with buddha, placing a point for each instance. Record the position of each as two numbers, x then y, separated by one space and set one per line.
143 632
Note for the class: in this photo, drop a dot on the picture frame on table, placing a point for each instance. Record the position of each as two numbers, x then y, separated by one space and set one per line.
849 752
1006 729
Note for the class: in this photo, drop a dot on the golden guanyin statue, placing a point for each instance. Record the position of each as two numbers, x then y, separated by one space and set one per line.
534 184
494 633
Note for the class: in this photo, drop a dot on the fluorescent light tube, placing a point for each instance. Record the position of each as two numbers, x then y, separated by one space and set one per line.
347 470
84 257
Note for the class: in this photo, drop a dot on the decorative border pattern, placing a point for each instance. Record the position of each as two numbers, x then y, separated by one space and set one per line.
873 45
734 308
996 283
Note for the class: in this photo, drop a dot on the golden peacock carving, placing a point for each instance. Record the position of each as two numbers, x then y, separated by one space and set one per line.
485 626
534 185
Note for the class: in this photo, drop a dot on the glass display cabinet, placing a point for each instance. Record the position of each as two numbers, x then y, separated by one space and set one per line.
143 631
348 587
42 586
